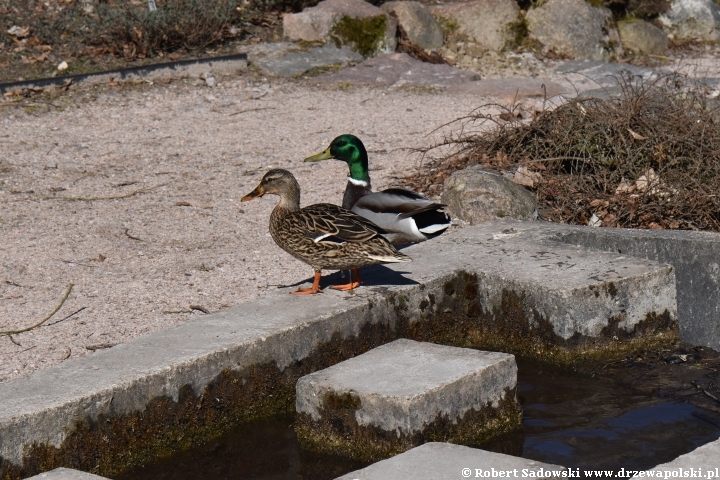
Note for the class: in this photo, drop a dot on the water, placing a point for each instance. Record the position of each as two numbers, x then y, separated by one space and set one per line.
569 420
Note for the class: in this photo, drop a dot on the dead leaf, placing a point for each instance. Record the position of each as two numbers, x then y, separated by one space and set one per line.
523 176
101 257
18 32
183 204
624 187
636 135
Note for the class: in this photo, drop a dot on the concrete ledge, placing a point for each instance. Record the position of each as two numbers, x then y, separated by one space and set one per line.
445 461
695 256
228 65
703 462
66 474
126 405
403 394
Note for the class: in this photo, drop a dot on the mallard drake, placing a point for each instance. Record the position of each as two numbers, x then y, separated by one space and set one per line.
324 236
407 216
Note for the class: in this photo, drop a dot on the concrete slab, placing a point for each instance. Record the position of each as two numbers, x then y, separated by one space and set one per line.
703 462
287 59
445 461
476 287
695 256
511 90
399 70
66 474
405 393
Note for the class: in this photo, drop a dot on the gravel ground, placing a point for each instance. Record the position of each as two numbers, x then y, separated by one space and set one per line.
182 156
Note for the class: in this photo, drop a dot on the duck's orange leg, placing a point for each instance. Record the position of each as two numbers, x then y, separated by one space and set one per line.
355 282
309 291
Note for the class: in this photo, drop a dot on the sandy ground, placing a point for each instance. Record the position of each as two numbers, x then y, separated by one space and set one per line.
179 157
138 263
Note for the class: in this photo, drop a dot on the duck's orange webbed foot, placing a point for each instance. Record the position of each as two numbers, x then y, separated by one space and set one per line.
312 290
350 286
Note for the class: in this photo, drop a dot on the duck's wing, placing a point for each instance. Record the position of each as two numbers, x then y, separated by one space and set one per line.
330 223
406 215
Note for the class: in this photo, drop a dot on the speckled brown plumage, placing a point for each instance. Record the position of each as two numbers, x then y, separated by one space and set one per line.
323 235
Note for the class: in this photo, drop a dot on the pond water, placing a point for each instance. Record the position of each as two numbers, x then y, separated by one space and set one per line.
570 420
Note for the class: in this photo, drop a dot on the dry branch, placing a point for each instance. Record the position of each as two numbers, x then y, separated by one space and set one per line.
109 197
9 333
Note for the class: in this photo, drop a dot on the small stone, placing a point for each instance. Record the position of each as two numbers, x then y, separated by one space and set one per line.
486 22
571 27
474 196
63 66
643 37
421 27
692 19
211 82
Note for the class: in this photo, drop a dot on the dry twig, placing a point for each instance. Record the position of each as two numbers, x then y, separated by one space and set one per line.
9 333
109 197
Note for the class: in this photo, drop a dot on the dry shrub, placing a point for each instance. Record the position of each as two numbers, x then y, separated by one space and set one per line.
664 131
129 28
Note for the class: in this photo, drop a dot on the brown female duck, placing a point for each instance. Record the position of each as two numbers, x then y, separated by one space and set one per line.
324 236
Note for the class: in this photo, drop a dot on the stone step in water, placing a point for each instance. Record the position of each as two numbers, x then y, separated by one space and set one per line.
66 474
703 462
485 286
406 393
445 461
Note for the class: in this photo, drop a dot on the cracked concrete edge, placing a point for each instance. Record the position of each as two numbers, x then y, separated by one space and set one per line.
45 406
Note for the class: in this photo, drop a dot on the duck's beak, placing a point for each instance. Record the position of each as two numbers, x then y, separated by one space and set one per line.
258 192
324 155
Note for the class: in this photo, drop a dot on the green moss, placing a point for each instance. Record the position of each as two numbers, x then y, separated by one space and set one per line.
518 31
448 25
364 35
337 432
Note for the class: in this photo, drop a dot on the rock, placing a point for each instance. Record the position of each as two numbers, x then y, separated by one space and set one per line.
287 59
485 22
421 27
211 82
400 70
356 23
474 196
642 37
63 66
571 27
692 19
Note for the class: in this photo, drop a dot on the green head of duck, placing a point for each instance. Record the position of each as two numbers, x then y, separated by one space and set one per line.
350 150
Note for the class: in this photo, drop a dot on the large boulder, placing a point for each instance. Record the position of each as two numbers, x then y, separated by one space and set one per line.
572 28
421 27
692 19
355 23
474 196
642 37
488 23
